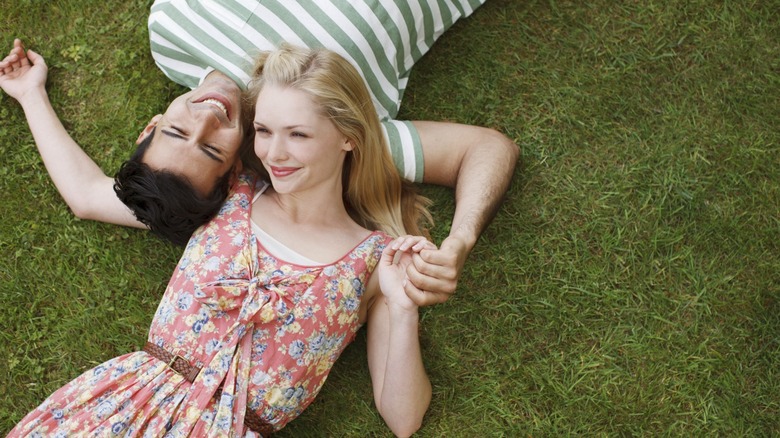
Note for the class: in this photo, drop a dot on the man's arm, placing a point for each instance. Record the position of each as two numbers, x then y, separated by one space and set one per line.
87 190
479 163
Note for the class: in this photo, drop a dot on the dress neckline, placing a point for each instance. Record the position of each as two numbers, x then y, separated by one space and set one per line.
257 188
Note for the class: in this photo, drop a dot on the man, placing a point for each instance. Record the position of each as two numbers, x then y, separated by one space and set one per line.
179 175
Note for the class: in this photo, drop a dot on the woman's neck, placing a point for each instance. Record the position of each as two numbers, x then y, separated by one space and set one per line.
321 205
317 227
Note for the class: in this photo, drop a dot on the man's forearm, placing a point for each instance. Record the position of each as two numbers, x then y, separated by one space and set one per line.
67 164
485 173
84 186
478 163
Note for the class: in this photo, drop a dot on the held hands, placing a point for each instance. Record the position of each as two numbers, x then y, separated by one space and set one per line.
22 72
433 274
392 268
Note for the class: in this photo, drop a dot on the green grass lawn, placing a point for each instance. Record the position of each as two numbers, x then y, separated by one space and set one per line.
629 285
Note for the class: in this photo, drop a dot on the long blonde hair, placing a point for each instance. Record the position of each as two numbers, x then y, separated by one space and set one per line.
373 191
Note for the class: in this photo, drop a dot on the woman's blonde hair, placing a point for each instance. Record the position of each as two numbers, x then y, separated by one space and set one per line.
373 191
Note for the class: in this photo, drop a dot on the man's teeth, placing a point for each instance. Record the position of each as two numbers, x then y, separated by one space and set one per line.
218 104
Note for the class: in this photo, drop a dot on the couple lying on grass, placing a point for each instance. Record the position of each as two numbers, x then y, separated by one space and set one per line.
271 289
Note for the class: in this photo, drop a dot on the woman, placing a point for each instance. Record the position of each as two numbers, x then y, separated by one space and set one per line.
255 316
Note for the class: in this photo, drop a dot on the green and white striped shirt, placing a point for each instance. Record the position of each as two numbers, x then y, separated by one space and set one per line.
381 38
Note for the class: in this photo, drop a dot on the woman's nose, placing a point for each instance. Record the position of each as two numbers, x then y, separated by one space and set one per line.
277 149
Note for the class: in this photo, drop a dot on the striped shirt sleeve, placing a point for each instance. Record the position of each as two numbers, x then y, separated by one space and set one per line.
405 147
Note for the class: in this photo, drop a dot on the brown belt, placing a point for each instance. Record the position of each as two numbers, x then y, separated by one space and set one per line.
190 372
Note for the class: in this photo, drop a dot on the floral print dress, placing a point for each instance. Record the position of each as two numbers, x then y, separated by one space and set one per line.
264 332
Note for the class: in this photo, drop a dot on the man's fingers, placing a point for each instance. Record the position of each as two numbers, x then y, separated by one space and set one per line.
422 298
15 58
34 58
437 284
439 257
25 60
442 270
432 284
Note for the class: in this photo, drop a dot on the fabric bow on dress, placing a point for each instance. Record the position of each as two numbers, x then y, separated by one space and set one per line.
258 301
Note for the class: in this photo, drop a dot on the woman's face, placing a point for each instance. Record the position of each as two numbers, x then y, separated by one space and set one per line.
299 147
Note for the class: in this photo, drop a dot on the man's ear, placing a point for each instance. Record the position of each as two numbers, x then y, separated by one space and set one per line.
149 128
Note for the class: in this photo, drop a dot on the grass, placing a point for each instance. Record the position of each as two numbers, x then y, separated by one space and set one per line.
628 286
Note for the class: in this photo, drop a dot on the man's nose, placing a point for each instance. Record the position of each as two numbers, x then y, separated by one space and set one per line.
203 121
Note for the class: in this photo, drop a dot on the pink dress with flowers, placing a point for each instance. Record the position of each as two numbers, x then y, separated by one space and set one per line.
265 330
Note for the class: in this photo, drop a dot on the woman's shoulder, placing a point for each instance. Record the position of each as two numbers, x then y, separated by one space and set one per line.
370 249
375 240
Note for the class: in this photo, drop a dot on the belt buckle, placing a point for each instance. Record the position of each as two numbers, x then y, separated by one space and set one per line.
173 361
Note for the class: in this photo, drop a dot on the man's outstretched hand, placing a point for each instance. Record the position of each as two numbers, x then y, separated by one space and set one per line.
22 72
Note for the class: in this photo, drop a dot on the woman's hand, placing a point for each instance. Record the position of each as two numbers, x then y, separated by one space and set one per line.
402 390
395 260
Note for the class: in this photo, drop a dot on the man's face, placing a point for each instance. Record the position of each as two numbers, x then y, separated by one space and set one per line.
200 134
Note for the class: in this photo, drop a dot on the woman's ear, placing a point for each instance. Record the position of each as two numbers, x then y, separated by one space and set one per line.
148 129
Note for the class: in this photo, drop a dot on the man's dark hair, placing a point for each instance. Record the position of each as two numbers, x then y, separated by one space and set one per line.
163 201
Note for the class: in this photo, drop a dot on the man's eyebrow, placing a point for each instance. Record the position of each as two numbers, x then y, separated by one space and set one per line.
208 153
173 134
201 146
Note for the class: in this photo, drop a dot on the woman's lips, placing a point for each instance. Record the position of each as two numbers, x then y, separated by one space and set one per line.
281 172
